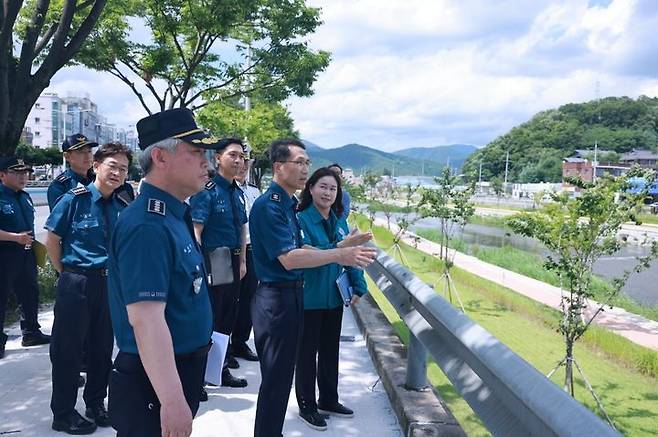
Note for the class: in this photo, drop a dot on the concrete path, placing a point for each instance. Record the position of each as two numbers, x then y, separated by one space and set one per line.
25 389
632 326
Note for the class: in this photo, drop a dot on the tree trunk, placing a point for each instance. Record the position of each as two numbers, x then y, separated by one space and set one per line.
568 365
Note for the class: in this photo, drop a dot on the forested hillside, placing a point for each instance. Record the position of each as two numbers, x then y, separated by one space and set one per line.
537 147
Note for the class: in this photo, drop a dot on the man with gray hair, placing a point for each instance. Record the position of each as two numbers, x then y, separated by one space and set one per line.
159 302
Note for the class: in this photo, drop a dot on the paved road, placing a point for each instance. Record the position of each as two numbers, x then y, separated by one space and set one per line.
25 395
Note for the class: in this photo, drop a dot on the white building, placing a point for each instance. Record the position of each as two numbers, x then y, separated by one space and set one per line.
46 121
52 118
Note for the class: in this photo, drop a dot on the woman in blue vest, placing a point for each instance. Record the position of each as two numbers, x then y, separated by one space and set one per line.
323 227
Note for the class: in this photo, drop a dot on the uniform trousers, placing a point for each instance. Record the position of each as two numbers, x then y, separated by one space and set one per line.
318 358
19 274
242 328
134 407
225 302
277 315
81 312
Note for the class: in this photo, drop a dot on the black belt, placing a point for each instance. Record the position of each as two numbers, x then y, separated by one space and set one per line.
284 284
87 272
249 246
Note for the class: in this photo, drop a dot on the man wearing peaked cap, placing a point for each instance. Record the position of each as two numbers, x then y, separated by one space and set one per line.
78 154
158 373
19 269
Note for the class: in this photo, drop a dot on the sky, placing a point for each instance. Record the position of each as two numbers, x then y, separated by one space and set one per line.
423 73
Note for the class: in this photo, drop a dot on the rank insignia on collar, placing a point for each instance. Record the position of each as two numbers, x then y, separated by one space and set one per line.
62 178
276 197
156 206
79 190
210 185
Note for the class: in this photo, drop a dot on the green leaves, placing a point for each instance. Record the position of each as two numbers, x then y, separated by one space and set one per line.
580 230
209 50
538 146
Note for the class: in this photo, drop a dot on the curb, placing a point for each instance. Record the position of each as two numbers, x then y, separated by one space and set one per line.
420 413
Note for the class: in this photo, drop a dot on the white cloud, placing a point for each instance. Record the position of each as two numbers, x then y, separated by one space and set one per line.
429 72
449 71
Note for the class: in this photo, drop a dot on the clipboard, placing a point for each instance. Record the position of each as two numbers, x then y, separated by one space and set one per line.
39 253
344 288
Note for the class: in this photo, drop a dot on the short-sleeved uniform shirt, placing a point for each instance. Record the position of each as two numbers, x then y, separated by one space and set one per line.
84 221
70 179
212 208
16 211
320 289
274 231
63 183
155 257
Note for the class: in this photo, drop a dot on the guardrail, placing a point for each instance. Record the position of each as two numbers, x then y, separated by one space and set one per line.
510 396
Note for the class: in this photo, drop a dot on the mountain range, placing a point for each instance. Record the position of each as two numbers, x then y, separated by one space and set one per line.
413 161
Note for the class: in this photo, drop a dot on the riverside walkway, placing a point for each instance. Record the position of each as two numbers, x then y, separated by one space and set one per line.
25 389
632 326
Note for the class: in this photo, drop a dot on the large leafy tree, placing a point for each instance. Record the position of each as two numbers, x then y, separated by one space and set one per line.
259 126
37 38
205 50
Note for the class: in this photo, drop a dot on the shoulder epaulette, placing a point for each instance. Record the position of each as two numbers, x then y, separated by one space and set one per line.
124 197
80 190
62 177
275 197
210 185
156 206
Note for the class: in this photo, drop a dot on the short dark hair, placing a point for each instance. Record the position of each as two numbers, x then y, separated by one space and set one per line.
111 149
225 142
307 199
280 149
335 164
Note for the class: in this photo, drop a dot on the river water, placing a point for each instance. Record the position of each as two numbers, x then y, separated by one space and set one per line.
642 287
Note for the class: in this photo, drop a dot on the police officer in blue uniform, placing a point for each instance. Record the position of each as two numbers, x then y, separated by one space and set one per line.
79 231
159 302
19 269
277 307
220 218
77 151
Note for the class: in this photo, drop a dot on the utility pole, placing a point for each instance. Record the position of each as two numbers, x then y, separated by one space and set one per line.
506 168
596 143
480 178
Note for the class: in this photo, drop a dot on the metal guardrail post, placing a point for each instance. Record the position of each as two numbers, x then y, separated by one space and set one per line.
510 396
416 365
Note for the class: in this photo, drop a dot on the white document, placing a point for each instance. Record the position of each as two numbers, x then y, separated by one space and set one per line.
216 357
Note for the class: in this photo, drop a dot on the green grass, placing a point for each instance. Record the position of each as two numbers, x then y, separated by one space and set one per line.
650 219
622 373
532 265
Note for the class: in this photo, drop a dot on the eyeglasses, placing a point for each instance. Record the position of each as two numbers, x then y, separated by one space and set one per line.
307 163
114 169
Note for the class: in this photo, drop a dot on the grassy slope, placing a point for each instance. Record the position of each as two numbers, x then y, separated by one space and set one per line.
528 328
532 265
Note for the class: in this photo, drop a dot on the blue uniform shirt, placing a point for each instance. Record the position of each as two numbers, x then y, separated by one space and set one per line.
320 289
274 231
212 208
84 221
16 210
63 183
154 257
